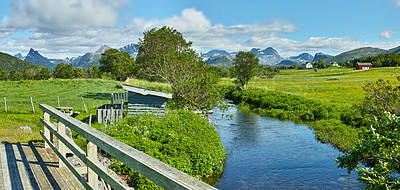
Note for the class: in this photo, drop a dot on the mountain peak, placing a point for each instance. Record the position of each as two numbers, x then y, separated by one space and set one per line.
102 49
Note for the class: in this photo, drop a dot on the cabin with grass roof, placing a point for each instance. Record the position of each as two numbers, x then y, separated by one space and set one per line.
143 100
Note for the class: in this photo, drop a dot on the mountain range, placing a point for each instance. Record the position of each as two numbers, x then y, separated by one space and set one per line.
90 58
268 56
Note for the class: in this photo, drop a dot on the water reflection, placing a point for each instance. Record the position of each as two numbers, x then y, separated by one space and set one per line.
264 153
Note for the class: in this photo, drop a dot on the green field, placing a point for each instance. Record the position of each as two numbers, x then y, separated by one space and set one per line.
342 86
94 92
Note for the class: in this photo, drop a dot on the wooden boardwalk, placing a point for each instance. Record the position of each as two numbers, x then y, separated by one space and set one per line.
30 166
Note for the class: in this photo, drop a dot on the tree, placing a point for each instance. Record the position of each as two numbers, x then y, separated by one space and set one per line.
29 74
118 63
42 73
14 75
93 72
245 66
376 158
64 71
164 55
79 72
153 48
3 75
319 64
381 96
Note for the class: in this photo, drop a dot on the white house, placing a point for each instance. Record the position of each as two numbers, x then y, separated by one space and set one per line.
307 65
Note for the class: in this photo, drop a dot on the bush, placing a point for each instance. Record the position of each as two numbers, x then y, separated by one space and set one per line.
182 140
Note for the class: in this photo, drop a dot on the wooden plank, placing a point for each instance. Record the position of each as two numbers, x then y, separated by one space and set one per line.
15 177
49 166
94 165
40 176
5 180
92 156
27 176
157 171
67 163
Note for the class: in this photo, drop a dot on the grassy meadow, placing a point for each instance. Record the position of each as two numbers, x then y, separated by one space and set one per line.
340 86
95 92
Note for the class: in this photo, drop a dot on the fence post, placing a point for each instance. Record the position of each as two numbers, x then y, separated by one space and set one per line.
90 120
84 105
58 101
5 104
112 98
33 108
46 117
61 146
92 155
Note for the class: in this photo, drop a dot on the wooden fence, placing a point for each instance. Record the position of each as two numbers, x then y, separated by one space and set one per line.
119 98
109 113
162 174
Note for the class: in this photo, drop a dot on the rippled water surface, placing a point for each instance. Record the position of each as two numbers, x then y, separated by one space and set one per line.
264 153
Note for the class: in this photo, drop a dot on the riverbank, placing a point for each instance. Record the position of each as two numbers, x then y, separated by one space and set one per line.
324 118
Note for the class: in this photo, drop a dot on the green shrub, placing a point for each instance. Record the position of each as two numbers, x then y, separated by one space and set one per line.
182 140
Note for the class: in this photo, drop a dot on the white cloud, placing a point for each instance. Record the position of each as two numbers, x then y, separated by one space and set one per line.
397 2
62 14
57 32
387 34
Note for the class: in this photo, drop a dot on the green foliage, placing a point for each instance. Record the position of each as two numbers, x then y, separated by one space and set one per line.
118 63
93 72
164 55
64 71
9 63
3 75
245 66
324 118
376 157
154 46
182 140
80 72
383 60
320 64
43 73
382 96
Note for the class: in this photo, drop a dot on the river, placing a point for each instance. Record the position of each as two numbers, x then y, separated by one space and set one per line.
264 153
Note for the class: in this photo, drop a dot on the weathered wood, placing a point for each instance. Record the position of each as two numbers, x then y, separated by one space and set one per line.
33 108
61 146
95 166
155 170
92 156
84 105
4 169
66 162
90 119
25 171
46 117
5 104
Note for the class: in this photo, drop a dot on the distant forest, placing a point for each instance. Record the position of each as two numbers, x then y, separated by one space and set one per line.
385 60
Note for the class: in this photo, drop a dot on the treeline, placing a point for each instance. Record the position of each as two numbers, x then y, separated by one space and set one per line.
261 71
63 71
386 60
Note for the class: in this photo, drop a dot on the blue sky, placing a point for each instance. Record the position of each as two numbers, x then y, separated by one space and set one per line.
65 28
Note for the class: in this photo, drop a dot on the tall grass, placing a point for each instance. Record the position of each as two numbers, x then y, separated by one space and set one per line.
95 92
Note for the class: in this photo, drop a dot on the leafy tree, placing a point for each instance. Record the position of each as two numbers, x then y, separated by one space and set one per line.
381 96
79 72
319 64
29 74
64 71
93 72
153 48
165 55
42 73
376 158
3 75
14 75
245 66
118 63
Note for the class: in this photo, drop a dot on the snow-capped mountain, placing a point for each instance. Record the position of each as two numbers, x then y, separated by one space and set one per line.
132 49
268 56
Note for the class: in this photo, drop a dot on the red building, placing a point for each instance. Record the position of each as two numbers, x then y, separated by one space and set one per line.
362 66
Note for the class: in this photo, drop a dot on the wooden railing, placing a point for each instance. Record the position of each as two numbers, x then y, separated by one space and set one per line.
162 174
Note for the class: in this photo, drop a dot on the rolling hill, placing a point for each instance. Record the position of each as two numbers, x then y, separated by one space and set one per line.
9 63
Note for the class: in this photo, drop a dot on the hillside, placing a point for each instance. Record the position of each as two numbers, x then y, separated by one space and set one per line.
9 63
360 52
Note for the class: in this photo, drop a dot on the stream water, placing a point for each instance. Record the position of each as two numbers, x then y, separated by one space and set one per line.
264 153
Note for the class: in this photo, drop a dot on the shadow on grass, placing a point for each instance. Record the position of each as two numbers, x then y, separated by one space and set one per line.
97 96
